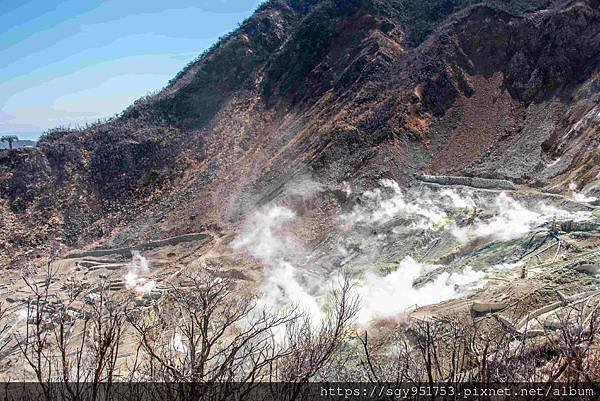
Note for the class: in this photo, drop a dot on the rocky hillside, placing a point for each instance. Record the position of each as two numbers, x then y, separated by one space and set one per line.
342 91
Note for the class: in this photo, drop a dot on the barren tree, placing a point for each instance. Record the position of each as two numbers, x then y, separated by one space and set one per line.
449 351
71 341
88 342
311 345
209 333
34 343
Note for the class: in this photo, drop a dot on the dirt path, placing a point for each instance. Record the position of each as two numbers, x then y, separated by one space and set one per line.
144 246
496 186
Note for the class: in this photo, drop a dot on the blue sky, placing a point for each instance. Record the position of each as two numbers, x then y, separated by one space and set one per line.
68 62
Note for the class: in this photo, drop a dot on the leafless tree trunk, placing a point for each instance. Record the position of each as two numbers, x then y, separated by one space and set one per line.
311 345
72 342
207 333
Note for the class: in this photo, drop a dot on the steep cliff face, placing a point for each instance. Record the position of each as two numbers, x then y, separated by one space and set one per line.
339 90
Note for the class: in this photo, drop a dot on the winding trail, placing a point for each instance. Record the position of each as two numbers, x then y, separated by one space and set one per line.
144 246
497 186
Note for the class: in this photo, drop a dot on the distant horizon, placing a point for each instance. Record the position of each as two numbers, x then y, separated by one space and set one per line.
75 62
25 136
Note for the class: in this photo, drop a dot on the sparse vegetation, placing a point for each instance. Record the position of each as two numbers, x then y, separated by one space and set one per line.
206 332
352 94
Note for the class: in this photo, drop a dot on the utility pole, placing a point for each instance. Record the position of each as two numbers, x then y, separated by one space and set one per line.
10 139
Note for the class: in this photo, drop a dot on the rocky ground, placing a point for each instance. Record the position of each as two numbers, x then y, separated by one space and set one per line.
444 155
514 258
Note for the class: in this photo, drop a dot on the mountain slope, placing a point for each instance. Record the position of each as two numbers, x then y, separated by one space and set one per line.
340 91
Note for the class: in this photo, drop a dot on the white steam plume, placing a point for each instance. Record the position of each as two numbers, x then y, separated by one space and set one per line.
177 344
262 235
303 186
390 295
265 237
386 203
578 196
138 266
389 208
511 220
